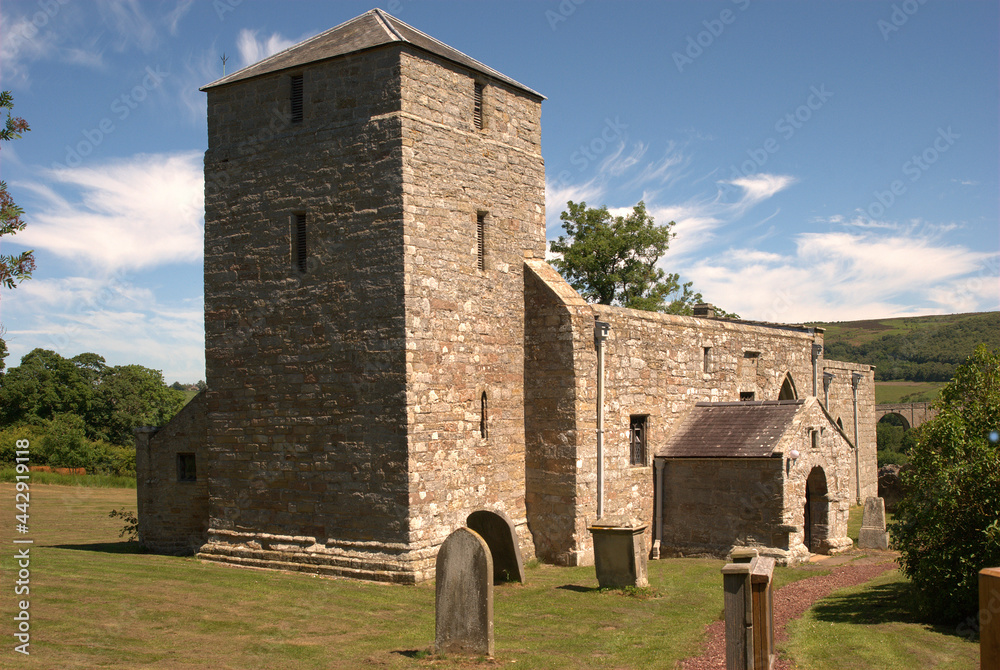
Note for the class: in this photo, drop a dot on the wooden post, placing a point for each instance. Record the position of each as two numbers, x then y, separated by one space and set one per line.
739 616
763 613
989 618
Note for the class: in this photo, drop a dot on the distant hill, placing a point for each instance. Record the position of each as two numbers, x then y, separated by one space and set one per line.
916 349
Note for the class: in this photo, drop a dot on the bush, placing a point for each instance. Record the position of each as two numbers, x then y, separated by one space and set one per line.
64 445
946 524
9 438
890 457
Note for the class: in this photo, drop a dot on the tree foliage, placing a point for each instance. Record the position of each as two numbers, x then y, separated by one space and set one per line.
947 526
612 259
13 269
108 402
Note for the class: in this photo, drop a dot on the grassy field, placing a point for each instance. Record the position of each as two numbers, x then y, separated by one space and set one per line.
98 603
901 391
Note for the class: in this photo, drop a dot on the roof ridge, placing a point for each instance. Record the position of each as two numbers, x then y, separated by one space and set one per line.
382 18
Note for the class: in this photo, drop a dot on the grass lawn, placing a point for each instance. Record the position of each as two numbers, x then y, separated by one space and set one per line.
893 392
98 603
870 626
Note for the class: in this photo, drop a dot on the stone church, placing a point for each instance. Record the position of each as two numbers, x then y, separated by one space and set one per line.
388 352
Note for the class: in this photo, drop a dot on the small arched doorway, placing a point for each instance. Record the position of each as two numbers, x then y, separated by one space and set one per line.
816 526
788 389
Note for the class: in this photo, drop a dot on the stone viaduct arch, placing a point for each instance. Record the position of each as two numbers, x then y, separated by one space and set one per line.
915 413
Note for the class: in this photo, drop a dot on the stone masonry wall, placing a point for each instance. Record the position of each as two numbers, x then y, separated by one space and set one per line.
465 323
654 366
842 407
173 514
306 370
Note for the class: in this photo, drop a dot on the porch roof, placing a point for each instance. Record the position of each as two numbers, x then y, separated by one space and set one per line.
748 429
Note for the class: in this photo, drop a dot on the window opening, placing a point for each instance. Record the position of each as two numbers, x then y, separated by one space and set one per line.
186 471
296 98
707 360
483 417
300 245
814 438
638 425
746 396
481 240
477 106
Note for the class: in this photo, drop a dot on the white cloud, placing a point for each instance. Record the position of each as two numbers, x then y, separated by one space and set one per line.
253 50
845 276
109 316
135 213
760 187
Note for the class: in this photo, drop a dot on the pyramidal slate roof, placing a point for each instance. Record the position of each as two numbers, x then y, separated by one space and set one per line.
372 29
749 429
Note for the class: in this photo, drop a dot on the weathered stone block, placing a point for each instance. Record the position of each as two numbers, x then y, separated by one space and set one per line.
619 553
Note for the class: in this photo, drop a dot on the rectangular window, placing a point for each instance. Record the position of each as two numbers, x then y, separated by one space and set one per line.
477 106
746 396
814 438
638 425
185 468
707 362
296 98
481 240
300 245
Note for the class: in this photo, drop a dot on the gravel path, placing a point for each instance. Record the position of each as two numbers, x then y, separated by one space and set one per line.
790 602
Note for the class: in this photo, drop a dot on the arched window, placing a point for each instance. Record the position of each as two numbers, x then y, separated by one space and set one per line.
787 389
483 417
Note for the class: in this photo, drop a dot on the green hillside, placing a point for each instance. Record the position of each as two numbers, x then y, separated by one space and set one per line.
915 349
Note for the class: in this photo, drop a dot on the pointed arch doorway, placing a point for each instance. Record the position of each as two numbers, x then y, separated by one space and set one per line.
816 526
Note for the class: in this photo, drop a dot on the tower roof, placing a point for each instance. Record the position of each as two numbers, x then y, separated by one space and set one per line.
372 29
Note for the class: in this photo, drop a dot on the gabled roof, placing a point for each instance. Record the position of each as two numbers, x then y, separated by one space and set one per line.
372 29
732 429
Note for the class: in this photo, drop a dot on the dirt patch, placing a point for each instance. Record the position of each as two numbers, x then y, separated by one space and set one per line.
791 602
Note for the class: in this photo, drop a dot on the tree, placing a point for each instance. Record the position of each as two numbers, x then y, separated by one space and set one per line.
13 269
612 259
946 527
131 396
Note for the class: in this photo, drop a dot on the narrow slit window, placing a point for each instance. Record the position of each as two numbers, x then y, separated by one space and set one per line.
638 425
707 360
477 106
296 98
484 429
481 240
300 244
186 471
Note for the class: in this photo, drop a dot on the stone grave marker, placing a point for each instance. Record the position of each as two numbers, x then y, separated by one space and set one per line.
498 531
872 534
464 595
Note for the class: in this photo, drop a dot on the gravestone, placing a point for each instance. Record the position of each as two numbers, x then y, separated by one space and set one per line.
872 534
498 531
619 552
464 595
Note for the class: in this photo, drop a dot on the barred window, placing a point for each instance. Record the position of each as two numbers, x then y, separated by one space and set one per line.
638 425
296 98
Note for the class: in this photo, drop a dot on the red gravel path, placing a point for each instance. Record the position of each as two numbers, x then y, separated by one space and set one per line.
790 602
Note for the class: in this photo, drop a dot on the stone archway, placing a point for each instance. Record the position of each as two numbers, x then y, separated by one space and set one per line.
816 526
498 532
895 419
788 391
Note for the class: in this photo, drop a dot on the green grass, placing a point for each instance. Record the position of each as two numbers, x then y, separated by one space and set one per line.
98 602
871 627
893 392
8 474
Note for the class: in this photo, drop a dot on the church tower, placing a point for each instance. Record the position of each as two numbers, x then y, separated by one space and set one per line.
371 196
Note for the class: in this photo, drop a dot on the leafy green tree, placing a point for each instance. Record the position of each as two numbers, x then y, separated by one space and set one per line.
947 527
64 445
13 269
130 396
44 385
3 355
612 259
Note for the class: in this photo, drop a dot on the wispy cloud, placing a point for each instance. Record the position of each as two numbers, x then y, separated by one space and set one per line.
140 212
252 49
843 276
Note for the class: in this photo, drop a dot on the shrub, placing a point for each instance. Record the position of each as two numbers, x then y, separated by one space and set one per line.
889 457
946 524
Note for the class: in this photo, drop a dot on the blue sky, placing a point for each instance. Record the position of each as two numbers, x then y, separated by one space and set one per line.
821 160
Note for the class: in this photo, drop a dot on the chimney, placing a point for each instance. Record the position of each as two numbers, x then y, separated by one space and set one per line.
705 310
